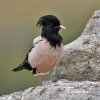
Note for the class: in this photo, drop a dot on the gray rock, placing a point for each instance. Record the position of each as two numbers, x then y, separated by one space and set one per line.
81 58
61 90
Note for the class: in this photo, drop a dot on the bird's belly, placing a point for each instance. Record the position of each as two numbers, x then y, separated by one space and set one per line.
45 65
44 57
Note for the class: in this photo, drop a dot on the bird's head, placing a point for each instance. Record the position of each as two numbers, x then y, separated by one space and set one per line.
50 29
50 22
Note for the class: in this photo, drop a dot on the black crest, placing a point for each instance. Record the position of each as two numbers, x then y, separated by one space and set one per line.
48 20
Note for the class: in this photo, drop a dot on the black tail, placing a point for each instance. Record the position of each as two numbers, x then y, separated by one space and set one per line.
24 65
18 68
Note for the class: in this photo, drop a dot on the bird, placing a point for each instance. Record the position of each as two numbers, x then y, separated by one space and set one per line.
47 48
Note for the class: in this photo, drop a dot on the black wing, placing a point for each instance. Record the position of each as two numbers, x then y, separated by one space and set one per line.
25 64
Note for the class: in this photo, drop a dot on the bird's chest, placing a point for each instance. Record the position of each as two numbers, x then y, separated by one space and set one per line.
44 56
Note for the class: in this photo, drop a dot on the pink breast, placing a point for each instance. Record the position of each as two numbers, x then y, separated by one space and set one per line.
43 56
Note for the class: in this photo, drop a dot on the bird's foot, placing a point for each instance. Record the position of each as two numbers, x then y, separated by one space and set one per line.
41 74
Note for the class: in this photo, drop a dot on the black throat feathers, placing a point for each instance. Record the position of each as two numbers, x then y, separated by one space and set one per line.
52 36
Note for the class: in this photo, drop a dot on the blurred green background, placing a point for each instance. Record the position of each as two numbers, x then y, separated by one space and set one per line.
17 30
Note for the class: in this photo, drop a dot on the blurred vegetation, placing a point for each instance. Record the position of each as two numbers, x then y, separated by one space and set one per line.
17 30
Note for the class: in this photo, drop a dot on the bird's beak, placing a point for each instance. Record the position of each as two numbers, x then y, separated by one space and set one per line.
63 27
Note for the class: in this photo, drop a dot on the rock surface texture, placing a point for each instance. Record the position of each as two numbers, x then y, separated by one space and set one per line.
81 59
77 74
61 90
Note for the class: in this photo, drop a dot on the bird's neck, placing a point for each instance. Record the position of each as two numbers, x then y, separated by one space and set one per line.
52 37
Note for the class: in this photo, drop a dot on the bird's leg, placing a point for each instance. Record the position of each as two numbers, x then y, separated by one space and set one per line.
40 76
40 80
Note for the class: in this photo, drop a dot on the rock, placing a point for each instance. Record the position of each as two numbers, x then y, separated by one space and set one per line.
61 90
81 58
